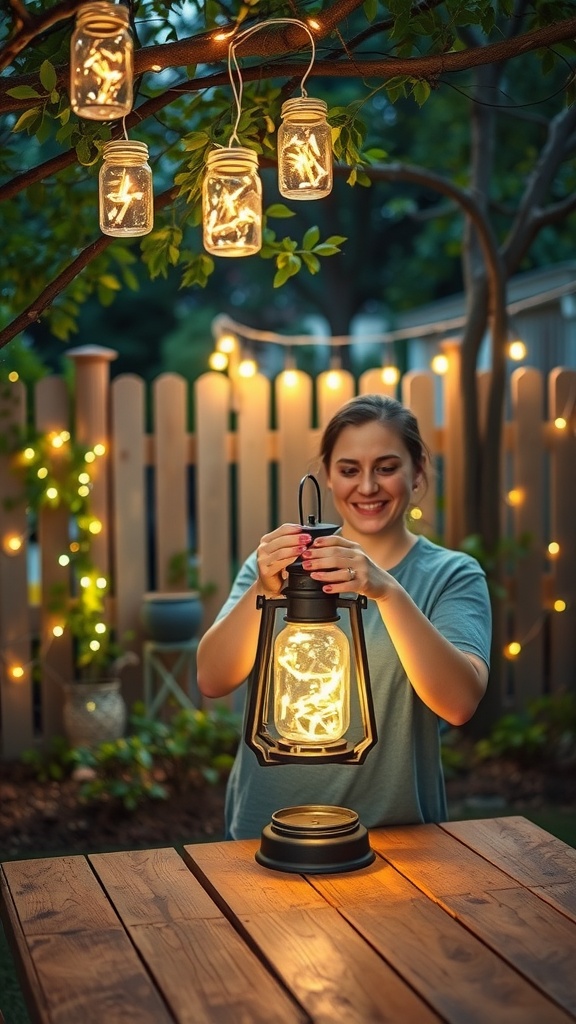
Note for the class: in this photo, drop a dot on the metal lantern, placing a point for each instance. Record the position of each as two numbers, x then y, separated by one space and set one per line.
304 150
125 189
232 202
101 62
310 702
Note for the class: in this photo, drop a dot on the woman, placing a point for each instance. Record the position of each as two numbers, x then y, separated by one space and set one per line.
427 628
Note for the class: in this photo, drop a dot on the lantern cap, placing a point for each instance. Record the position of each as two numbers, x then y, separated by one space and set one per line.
233 158
305 105
103 15
124 148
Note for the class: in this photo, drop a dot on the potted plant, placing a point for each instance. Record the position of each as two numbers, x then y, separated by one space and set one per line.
94 708
175 616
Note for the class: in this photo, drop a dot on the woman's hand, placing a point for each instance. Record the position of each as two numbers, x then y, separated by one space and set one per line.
344 567
277 550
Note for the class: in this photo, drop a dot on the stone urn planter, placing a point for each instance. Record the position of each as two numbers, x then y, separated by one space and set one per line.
94 712
173 617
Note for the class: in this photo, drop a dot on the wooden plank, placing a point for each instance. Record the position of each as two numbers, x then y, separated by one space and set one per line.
429 857
531 935
528 456
337 977
56 664
129 517
333 389
525 851
562 398
213 513
205 971
453 447
463 980
72 943
418 395
170 473
16 718
253 472
293 409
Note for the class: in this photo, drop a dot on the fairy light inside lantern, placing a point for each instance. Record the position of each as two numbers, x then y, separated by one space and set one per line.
125 186
101 62
232 202
304 150
310 702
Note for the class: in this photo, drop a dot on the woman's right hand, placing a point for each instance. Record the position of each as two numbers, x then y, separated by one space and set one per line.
277 550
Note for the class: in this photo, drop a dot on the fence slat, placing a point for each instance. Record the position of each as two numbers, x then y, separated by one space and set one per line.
16 718
528 406
254 499
295 456
171 473
562 402
418 395
213 514
128 516
56 665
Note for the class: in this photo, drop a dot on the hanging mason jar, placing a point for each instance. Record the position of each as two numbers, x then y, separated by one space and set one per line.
304 150
232 202
101 62
125 186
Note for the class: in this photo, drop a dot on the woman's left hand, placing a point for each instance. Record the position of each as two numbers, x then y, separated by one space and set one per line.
344 567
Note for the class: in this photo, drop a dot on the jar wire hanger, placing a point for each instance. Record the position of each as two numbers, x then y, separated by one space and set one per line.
237 89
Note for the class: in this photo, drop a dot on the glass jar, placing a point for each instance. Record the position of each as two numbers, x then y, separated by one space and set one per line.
101 62
311 683
304 150
232 202
125 187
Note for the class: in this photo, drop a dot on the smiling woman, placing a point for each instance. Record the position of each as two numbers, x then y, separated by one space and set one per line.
427 628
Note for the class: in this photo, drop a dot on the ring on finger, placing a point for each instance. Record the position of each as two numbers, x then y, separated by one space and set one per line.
351 573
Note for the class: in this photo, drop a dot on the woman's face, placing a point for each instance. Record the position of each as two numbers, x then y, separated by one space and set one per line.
371 477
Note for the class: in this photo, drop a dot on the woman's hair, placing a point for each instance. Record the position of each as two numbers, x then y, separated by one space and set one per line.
382 409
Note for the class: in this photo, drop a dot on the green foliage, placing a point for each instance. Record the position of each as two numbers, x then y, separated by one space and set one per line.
194 748
184 572
546 730
288 256
53 763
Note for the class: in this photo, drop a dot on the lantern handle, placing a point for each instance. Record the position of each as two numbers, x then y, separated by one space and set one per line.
311 519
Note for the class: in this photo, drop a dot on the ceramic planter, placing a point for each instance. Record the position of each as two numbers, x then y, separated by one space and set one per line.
94 712
172 618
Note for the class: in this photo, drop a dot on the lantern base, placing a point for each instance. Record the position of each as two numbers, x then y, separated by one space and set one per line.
315 839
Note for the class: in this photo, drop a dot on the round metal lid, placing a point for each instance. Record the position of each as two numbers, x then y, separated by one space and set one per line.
315 839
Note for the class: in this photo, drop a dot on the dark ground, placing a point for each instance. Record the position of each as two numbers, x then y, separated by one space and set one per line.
49 817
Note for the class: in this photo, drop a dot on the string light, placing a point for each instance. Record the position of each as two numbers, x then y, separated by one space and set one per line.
559 605
553 549
517 350
512 650
12 543
57 631
218 361
560 423
101 62
390 375
247 368
13 376
416 513
17 671
440 364
515 497
64 560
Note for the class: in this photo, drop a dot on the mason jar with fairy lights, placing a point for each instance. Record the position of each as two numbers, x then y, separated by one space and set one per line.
232 202
304 149
101 62
125 188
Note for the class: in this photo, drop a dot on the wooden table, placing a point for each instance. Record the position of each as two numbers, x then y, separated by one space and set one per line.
470 921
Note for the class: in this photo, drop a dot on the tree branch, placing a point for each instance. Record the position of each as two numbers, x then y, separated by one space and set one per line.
66 276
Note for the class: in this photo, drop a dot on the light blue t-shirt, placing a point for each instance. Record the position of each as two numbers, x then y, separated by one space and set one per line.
401 781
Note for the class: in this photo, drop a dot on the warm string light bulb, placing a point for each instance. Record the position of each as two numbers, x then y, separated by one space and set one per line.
517 350
304 149
101 62
390 374
125 190
439 364
232 202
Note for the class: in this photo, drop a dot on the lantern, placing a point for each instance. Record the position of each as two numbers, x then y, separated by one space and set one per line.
304 150
125 186
310 702
101 62
232 202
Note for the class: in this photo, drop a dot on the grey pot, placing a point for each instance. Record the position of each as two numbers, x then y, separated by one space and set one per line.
172 618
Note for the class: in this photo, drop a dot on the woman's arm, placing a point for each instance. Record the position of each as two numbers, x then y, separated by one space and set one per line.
227 650
449 681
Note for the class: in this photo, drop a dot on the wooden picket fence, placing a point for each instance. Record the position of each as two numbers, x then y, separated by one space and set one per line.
231 472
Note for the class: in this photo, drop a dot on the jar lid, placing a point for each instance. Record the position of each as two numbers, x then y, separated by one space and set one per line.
235 159
125 148
104 15
304 105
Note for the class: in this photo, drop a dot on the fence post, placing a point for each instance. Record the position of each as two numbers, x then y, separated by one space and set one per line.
92 421
453 447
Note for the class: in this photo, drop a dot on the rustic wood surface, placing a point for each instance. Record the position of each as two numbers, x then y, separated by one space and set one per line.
464 923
